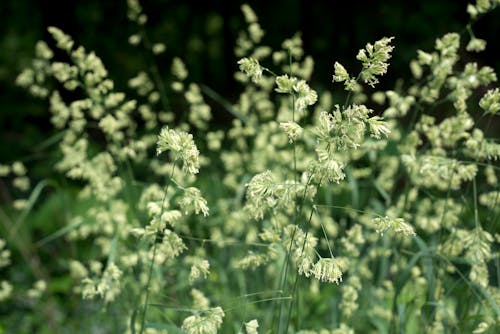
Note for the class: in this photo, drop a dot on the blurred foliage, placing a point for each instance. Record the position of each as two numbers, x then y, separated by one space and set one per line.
203 34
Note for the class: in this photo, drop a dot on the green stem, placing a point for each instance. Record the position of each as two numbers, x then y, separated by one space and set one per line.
150 275
150 272
349 95
476 212
297 274
285 266
293 120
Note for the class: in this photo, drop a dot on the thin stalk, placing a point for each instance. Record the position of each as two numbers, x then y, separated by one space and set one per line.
293 120
347 208
150 272
297 274
150 275
349 95
283 282
288 255
476 212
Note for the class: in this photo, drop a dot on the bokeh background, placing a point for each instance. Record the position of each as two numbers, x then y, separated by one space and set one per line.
203 33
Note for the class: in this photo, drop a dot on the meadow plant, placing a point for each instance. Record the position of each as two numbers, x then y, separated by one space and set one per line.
178 227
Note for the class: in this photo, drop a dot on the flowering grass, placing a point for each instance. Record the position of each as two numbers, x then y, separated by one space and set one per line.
374 213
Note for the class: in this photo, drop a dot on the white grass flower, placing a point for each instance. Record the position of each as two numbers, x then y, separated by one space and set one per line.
182 146
481 328
64 41
178 69
20 204
200 269
250 16
4 170
378 127
375 60
38 289
261 185
327 270
292 130
340 73
158 48
214 140
398 225
171 217
327 170
490 102
251 68
476 45
200 301
18 168
77 269
252 327
252 260
192 201
424 58
170 247
4 254
5 290
43 51
134 39
256 33
21 183
208 323
305 95
285 84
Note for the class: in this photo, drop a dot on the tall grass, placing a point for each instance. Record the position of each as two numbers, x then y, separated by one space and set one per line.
377 212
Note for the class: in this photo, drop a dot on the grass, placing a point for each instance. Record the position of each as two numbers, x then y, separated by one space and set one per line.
120 235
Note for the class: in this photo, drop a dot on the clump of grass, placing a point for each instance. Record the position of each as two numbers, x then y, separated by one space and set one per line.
177 227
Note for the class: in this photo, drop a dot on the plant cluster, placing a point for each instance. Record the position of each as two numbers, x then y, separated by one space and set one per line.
178 227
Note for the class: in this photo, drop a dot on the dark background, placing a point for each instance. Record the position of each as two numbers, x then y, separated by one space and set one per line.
203 34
